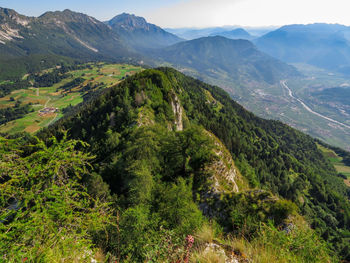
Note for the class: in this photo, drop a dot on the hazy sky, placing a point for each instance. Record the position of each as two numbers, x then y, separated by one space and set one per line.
200 13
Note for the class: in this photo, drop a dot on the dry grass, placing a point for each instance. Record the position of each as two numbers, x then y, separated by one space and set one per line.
270 246
205 235
207 256
32 128
347 182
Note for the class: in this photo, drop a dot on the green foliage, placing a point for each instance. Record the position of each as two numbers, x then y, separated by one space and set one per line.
247 210
271 155
7 87
175 207
294 244
16 68
52 77
13 113
46 215
72 84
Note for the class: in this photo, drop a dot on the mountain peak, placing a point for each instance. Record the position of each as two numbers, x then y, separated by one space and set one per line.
140 34
67 15
10 15
218 39
129 22
238 33
7 12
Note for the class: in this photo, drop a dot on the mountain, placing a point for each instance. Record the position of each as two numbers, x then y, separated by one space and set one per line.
322 45
174 151
68 35
237 61
238 33
193 33
139 34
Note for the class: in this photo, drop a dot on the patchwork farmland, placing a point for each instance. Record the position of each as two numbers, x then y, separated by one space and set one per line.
49 103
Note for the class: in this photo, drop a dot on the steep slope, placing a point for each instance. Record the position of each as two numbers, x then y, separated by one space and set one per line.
58 34
238 61
139 34
322 45
156 125
238 33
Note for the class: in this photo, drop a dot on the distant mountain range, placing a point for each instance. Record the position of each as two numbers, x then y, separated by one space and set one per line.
238 33
193 33
321 45
225 59
136 32
128 38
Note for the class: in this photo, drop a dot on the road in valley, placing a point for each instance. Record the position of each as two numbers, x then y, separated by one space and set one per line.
290 93
45 106
54 118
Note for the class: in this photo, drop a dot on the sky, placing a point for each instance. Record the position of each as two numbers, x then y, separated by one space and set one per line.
199 13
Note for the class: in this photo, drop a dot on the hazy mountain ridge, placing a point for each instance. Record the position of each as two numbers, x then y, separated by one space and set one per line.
238 33
139 34
193 33
239 60
321 45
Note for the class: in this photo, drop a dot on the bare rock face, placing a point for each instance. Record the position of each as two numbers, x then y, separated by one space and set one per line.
10 24
224 170
178 112
223 177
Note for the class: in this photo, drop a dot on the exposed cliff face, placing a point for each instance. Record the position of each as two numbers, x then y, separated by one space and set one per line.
224 177
225 172
178 112
10 24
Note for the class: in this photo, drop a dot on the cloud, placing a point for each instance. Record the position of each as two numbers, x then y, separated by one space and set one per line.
202 13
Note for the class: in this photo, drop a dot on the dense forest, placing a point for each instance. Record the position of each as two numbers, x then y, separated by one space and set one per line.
13 113
282 162
37 79
55 75
7 87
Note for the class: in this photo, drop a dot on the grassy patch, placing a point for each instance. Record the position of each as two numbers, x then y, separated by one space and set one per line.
337 162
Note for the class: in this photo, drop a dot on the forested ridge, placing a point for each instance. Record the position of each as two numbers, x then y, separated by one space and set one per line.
269 154
157 159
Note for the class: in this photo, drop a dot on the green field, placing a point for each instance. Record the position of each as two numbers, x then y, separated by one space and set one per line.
337 162
105 75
